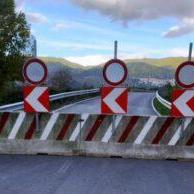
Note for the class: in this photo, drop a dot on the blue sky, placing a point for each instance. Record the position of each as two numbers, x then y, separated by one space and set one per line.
84 31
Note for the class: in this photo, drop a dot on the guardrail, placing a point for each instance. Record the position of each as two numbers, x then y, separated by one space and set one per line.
166 103
19 105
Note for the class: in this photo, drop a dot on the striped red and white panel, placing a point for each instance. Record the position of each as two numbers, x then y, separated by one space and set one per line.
125 129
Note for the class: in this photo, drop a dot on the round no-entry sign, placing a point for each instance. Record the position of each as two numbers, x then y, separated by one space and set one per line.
35 71
185 75
115 72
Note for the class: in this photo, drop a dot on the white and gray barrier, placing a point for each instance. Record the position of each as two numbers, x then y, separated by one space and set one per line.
139 137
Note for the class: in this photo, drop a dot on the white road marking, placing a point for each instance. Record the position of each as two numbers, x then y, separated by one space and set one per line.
177 134
145 130
17 125
78 128
49 126
109 131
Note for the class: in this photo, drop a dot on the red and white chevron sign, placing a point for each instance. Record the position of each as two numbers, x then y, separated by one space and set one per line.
114 100
183 103
36 99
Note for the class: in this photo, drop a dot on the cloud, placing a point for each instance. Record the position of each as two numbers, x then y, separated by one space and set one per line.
84 26
75 45
90 60
19 5
181 52
129 10
144 10
36 18
94 60
186 27
32 17
60 26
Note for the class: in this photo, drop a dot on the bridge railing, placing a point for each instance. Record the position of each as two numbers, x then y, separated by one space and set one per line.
55 97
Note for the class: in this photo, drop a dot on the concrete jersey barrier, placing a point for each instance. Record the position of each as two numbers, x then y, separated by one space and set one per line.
130 136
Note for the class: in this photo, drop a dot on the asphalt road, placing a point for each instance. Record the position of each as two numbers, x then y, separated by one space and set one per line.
79 175
139 103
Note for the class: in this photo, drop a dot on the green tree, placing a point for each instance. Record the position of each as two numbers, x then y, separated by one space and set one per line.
14 37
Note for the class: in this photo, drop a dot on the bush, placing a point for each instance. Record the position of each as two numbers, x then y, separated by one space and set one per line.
12 93
166 92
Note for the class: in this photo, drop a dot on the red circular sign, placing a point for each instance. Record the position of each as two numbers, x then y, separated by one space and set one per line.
185 75
115 72
35 71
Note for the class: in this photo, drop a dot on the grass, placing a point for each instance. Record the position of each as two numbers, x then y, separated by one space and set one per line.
161 62
170 61
53 60
164 111
166 91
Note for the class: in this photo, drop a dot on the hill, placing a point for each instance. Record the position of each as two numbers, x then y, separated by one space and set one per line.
91 76
62 61
163 62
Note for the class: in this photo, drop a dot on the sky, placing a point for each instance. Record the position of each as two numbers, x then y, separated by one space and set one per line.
83 31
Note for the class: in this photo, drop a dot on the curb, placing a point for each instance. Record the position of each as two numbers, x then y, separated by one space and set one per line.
154 107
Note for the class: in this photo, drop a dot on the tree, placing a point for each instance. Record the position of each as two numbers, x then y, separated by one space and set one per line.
60 80
14 30
14 36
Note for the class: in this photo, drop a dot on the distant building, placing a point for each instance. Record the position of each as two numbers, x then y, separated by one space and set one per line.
31 49
154 81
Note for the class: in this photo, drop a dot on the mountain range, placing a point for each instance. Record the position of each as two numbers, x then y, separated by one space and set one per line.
163 68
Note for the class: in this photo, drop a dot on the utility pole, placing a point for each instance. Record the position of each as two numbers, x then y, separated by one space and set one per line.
34 46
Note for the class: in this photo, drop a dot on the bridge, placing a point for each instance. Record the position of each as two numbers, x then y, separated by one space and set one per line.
77 129
140 103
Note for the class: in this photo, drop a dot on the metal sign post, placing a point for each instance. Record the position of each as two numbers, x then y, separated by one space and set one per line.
115 71
115 49
115 57
189 59
114 99
190 51
35 73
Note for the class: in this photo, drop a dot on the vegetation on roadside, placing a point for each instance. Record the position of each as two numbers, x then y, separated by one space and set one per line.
164 111
162 62
166 92
55 60
14 38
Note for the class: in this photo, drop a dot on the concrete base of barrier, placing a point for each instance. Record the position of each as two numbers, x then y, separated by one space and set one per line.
95 149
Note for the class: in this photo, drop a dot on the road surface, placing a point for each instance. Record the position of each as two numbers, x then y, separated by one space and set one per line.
139 103
79 175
